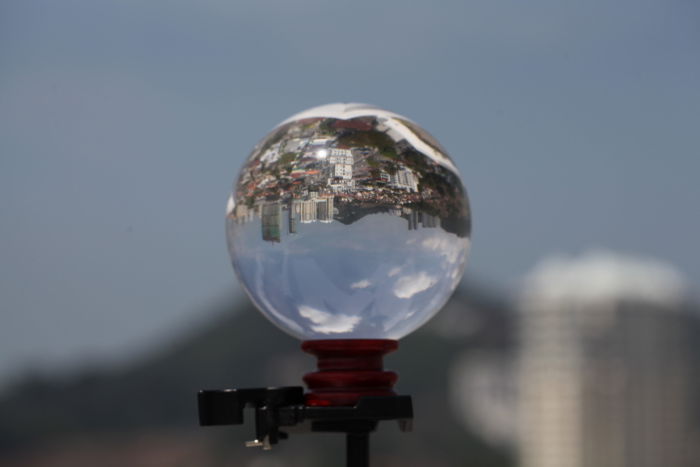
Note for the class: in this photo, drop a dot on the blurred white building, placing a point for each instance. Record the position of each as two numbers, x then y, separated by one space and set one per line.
605 367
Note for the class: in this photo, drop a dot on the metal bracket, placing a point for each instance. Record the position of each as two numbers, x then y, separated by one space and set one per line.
284 407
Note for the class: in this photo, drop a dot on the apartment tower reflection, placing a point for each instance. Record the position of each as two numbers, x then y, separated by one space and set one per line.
271 216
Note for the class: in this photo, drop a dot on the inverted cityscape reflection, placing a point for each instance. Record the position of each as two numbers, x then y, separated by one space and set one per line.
349 221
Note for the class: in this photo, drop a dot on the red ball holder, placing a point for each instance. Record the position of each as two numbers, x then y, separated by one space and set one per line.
347 370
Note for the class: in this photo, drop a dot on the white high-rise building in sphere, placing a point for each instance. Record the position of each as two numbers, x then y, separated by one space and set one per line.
404 179
324 209
308 210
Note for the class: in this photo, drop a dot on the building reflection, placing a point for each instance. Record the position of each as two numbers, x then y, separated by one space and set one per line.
297 212
327 170
271 214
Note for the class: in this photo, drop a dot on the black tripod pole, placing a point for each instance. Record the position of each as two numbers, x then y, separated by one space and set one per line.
357 445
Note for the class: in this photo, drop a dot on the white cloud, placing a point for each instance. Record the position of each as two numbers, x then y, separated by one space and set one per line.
363 284
408 286
394 271
328 323
451 248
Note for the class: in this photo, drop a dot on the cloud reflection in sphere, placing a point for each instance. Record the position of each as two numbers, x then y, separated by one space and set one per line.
348 221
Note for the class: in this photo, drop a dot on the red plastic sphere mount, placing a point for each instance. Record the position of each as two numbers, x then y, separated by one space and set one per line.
347 370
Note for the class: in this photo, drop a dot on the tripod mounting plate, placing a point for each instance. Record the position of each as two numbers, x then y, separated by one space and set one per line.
284 407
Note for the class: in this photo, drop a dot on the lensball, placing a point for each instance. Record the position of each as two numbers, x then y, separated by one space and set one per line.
348 221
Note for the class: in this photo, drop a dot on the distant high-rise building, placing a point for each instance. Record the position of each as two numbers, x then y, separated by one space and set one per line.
271 224
339 167
241 213
416 218
340 156
605 368
308 212
294 210
324 209
342 171
315 209
430 221
404 179
413 220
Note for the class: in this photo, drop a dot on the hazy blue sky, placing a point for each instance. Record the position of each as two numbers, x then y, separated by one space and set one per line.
123 125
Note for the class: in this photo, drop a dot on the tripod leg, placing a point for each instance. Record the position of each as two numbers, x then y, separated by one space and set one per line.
357 445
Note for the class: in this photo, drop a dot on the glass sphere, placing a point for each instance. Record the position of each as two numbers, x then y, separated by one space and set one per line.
348 221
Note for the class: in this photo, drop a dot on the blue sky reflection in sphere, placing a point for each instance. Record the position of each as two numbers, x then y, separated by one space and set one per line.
348 221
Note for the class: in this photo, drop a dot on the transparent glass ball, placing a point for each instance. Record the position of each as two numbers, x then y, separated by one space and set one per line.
348 221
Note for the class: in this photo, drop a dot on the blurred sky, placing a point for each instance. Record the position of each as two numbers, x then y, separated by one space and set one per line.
124 123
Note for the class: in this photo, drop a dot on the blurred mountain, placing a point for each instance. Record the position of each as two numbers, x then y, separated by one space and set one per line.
145 413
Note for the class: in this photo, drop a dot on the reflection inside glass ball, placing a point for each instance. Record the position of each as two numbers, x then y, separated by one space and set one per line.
348 221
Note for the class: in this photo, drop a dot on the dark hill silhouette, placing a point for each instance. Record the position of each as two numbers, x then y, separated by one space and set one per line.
105 412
